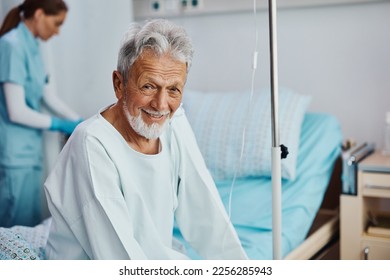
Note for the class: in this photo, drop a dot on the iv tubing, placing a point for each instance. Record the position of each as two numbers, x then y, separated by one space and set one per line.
249 109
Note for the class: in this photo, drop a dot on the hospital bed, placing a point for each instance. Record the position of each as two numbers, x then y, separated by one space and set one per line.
311 173
310 185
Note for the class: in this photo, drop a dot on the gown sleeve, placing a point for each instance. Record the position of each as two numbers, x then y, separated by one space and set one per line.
200 215
90 202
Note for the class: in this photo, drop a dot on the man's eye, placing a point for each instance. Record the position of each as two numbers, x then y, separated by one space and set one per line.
175 90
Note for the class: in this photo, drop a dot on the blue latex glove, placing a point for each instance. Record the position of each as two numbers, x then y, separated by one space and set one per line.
63 125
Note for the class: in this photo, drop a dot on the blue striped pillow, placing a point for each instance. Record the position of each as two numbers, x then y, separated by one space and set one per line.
218 120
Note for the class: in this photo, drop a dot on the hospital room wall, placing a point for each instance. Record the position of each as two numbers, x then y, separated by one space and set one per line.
340 55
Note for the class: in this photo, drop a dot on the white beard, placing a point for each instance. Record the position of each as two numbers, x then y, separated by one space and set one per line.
150 132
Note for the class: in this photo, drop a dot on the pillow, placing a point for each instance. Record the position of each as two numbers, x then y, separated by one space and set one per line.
218 120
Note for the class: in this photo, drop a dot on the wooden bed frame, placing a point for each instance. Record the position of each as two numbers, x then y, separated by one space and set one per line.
322 239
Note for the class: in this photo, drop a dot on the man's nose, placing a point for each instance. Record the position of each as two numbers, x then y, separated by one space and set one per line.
160 100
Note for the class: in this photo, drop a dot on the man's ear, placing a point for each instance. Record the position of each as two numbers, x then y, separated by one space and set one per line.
117 82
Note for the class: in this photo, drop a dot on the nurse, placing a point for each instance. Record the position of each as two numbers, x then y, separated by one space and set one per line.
23 88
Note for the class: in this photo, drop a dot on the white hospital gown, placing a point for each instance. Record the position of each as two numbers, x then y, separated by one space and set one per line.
110 202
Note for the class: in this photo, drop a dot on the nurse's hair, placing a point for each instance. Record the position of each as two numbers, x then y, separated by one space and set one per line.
159 35
27 9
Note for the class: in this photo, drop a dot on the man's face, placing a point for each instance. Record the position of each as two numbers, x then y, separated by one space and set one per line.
153 92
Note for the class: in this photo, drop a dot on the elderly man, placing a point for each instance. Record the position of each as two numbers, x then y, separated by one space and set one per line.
127 173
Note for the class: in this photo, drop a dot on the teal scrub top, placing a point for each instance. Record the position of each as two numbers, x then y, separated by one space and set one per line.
21 63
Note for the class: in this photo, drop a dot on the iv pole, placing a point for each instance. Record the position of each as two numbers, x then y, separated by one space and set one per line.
276 149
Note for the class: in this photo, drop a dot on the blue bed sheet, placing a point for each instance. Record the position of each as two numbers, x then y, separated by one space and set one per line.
251 207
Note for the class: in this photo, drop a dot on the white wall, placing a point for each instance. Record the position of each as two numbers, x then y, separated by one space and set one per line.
6 5
340 55
85 53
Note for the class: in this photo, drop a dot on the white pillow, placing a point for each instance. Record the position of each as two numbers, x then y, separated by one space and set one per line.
218 120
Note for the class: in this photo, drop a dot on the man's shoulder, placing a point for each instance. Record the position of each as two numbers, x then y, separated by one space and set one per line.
88 127
95 131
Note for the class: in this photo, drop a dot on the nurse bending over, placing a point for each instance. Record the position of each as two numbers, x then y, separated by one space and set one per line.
128 172
23 87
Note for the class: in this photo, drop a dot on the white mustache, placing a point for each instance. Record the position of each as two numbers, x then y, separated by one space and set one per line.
156 114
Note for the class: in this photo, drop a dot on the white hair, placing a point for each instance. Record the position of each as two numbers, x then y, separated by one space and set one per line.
159 35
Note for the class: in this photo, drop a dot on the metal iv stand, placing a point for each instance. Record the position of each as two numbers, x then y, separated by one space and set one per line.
278 151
